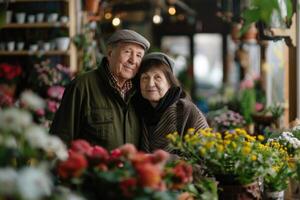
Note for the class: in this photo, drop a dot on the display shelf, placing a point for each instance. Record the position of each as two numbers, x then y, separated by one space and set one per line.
37 25
34 53
24 1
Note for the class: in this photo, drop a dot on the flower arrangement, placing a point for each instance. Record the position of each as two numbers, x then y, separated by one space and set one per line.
124 173
27 154
54 95
45 74
227 120
9 73
234 153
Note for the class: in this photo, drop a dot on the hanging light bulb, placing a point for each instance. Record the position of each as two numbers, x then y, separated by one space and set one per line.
172 10
116 21
157 18
108 15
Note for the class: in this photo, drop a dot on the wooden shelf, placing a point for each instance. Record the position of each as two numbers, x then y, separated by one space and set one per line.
37 25
22 1
33 53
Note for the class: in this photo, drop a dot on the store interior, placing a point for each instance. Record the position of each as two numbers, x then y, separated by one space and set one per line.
235 58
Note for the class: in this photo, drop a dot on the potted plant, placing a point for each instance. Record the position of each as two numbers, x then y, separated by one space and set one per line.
237 159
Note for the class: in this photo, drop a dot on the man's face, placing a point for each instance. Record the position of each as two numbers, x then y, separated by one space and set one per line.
124 60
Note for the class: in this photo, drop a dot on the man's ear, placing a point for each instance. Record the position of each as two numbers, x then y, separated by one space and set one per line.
109 51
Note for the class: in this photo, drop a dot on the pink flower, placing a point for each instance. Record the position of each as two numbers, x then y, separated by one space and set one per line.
52 106
98 153
81 147
40 112
247 84
258 106
128 150
56 92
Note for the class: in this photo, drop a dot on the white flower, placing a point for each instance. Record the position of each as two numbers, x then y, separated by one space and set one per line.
36 136
32 100
296 128
55 144
34 183
13 119
10 142
8 178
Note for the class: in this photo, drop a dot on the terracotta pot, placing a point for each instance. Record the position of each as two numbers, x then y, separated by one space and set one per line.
92 6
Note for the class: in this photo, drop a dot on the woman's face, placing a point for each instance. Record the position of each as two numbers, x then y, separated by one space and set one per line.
154 85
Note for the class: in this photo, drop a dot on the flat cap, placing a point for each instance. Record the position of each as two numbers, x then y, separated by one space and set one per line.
161 57
126 35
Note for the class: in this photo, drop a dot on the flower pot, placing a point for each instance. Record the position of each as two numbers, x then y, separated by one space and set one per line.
53 17
31 18
62 43
11 46
230 188
40 17
20 46
277 195
8 16
20 17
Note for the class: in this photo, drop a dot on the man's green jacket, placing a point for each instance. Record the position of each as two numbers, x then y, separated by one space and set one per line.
93 109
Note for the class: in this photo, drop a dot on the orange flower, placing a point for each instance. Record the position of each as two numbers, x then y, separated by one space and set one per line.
149 175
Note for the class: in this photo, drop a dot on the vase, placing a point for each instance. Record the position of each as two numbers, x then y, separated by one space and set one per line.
229 188
277 195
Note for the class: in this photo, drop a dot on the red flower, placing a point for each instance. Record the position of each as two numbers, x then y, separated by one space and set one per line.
128 186
9 72
81 146
183 174
73 167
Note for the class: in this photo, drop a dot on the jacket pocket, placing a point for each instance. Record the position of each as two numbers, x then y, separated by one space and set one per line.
101 122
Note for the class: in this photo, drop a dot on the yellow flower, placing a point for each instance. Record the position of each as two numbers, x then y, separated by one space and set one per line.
202 151
220 148
191 130
260 138
254 157
246 150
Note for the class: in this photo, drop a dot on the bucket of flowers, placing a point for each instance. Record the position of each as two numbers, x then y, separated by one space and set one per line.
236 159
124 173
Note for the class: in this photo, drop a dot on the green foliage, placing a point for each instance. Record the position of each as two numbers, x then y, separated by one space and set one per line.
262 10
247 104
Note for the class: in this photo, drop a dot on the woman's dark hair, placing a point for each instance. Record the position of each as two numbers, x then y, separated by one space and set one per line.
154 63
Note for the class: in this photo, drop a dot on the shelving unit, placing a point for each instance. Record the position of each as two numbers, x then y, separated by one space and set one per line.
69 27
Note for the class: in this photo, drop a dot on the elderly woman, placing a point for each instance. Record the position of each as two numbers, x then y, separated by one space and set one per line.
163 105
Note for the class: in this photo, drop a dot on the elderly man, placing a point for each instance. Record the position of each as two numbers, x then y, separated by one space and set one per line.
97 106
